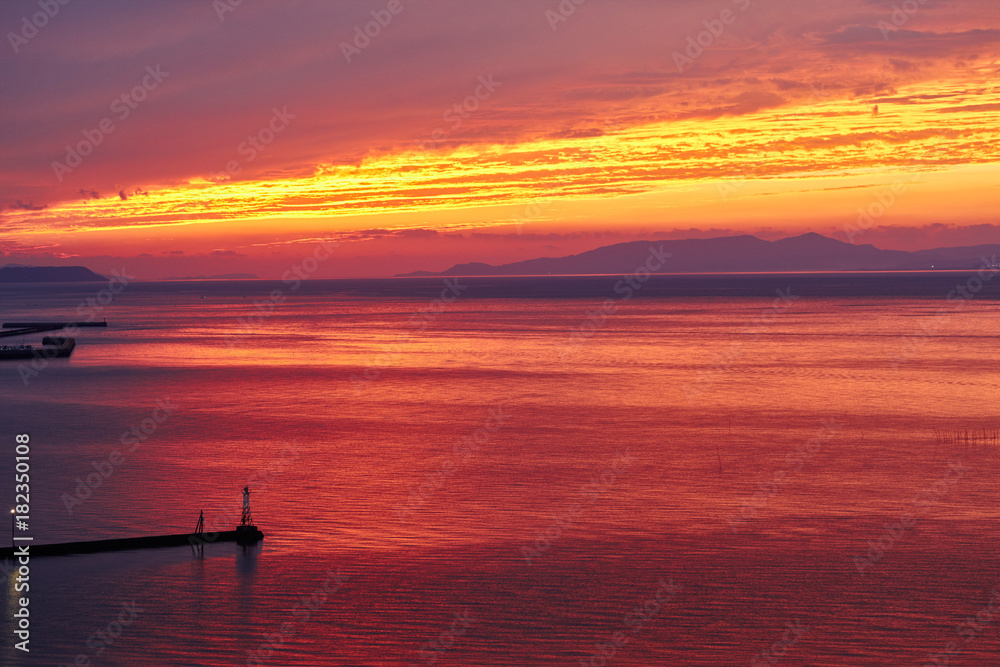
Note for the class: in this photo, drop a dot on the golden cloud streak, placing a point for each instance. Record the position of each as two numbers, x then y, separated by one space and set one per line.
926 127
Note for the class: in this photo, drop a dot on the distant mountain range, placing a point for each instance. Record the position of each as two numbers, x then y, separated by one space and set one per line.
15 273
736 254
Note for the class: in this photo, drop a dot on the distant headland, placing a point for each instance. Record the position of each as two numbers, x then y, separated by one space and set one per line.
14 273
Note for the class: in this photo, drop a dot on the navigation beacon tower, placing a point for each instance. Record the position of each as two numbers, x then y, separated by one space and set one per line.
246 532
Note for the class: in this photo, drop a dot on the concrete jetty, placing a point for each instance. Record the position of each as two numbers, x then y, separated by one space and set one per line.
245 533
126 543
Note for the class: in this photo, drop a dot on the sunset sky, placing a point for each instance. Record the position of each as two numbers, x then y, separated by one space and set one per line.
475 130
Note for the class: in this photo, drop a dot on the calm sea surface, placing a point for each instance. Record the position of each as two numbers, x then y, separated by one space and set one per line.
691 476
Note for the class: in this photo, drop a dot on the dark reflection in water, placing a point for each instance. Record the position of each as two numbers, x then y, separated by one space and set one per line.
246 561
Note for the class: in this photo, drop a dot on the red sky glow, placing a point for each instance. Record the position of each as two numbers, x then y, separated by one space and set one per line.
181 139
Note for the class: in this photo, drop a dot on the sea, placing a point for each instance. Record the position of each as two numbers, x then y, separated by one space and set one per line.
759 469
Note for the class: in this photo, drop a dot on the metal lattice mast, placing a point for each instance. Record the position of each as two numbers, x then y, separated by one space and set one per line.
246 519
